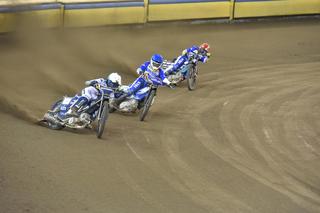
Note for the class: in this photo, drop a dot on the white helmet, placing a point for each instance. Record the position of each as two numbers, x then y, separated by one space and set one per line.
114 80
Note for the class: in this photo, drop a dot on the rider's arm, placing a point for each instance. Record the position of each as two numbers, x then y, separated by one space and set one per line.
163 77
95 81
142 68
134 87
90 82
204 57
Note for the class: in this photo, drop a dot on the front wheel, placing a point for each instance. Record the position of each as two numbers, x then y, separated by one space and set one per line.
54 109
102 120
147 104
192 78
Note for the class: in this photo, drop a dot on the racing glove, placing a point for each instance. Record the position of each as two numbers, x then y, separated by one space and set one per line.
166 81
139 71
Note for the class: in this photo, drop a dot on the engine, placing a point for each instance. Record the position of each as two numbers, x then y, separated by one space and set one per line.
85 118
128 105
175 77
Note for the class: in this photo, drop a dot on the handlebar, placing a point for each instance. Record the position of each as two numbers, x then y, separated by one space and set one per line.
104 91
154 81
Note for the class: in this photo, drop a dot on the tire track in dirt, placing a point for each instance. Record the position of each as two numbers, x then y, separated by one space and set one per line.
246 140
243 110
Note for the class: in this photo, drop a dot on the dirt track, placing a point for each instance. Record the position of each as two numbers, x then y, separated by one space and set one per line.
247 140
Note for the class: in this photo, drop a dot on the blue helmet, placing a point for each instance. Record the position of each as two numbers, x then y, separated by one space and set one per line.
156 62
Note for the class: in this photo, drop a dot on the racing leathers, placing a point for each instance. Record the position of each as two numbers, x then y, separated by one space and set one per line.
146 77
88 94
193 53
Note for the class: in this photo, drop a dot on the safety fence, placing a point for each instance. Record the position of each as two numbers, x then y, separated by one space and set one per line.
78 13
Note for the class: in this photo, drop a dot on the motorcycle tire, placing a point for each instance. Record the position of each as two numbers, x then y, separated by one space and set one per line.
51 125
192 79
102 120
146 107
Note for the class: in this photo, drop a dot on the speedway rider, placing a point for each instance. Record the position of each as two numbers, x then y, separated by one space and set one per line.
92 91
193 53
152 68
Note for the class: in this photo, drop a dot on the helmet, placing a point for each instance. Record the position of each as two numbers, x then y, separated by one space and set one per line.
156 62
205 46
114 80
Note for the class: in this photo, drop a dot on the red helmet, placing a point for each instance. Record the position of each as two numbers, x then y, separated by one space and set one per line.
205 46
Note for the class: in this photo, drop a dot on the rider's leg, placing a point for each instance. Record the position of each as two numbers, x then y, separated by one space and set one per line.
133 88
88 94
116 102
81 101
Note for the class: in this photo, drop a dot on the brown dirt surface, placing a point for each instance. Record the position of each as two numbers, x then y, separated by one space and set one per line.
247 140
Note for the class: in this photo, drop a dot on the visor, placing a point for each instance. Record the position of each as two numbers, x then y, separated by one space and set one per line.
113 85
155 65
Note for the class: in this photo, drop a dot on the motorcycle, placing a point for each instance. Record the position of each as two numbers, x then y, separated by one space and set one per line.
56 118
187 71
142 100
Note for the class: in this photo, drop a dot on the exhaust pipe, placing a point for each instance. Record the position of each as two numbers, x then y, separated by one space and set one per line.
51 119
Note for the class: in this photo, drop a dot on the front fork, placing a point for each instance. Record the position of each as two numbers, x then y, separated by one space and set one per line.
100 108
195 70
155 94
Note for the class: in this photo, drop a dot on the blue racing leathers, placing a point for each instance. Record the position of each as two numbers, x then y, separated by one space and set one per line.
147 77
178 63
102 82
186 58
203 56
91 93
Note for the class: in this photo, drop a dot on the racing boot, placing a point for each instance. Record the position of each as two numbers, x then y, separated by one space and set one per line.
117 101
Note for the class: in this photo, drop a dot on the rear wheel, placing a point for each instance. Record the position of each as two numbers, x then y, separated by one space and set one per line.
147 104
192 78
102 120
52 125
